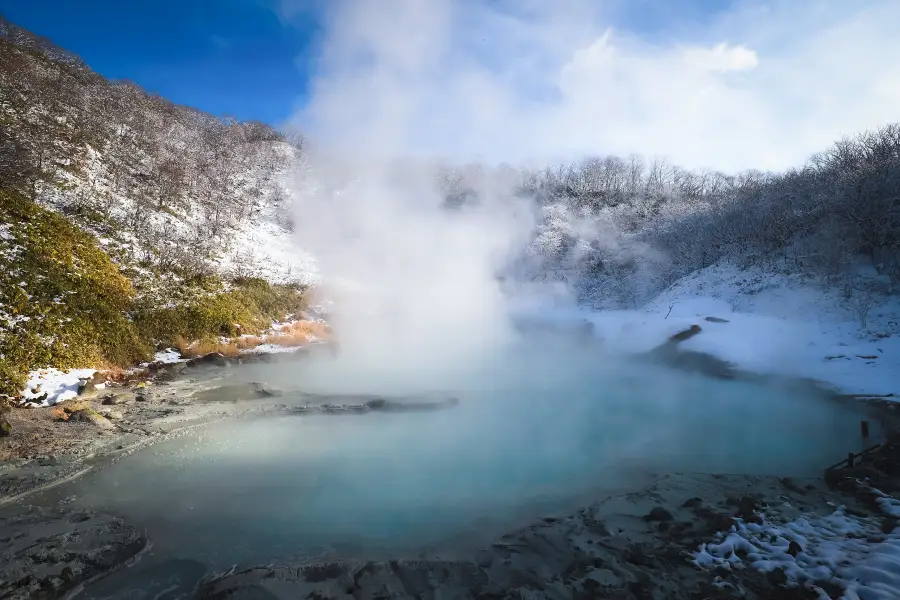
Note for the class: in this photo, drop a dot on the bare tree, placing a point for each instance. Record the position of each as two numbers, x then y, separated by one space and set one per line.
862 303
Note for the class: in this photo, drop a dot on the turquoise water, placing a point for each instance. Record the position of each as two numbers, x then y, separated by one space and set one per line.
528 438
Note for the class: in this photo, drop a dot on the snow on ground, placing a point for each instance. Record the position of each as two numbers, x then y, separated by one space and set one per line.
48 386
272 349
775 324
168 356
840 549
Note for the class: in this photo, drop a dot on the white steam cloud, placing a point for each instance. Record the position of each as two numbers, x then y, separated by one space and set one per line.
414 281
733 86
398 85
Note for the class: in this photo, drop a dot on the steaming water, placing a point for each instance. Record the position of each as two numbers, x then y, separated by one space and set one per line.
533 433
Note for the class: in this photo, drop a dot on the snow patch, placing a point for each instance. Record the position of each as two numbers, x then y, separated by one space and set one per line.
839 549
272 349
168 356
47 387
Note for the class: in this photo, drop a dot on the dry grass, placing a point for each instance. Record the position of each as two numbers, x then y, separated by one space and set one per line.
288 339
114 373
203 347
248 342
312 329
297 333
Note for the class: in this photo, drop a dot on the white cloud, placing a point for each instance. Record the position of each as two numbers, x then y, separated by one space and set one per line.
760 86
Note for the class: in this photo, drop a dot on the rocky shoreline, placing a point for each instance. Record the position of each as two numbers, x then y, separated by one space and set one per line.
634 546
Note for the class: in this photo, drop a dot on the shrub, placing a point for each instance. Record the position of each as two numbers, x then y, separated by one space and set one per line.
249 307
64 302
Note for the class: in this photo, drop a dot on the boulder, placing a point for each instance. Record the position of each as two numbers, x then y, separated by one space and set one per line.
658 513
116 399
89 415
5 428
111 414
86 386
213 358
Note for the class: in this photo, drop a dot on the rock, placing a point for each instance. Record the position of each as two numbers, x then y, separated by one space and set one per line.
484 559
685 335
213 358
88 415
70 406
692 502
716 320
167 372
658 513
747 507
113 415
116 399
777 577
48 555
263 390
5 428
86 386
717 522
794 548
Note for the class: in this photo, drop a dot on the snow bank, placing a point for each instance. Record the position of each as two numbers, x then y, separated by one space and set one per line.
840 549
768 324
46 387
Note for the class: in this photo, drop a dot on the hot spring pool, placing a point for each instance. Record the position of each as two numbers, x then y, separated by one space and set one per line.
525 440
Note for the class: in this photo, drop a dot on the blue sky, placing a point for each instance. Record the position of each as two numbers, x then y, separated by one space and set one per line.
227 57
682 79
231 57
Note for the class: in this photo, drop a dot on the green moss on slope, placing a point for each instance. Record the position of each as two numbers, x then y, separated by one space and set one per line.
250 306
63 302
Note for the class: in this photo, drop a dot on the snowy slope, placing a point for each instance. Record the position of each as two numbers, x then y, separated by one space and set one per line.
266 250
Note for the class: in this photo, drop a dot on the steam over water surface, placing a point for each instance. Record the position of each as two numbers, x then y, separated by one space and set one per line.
534 433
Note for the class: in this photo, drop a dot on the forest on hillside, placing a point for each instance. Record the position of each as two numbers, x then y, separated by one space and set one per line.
169 183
